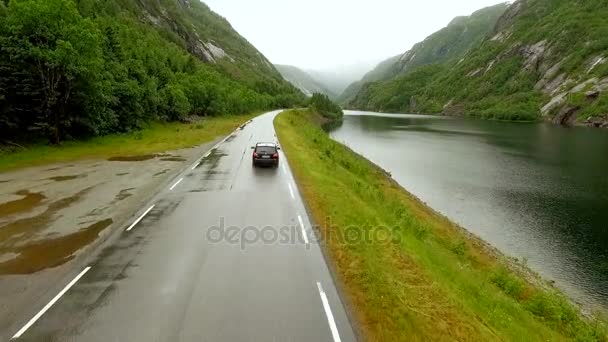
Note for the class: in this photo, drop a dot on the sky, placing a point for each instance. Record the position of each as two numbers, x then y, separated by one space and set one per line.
329 34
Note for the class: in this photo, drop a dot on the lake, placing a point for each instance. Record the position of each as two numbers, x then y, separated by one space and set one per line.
536 191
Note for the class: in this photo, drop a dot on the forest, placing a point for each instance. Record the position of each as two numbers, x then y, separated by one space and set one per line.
76 69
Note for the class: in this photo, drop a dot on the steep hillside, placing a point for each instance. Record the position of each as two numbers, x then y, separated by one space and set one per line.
383 71
546 59
192 25
451 42
303 81
79 68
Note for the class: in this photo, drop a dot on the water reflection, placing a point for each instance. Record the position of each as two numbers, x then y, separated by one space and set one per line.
535 191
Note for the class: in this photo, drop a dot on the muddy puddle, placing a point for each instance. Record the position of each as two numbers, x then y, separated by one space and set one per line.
29 201
163 157
174 159
124 194
21 230
65 178
133 158
49 253
122 174
161 172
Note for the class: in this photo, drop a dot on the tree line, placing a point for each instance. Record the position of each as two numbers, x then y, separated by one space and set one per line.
67 76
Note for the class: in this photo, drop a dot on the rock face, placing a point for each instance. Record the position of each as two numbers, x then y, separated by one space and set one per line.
543 60
205 34
533 55
451 42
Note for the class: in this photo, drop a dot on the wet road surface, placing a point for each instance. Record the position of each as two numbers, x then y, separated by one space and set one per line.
220 255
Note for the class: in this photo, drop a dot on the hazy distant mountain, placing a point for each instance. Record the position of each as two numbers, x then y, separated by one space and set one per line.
336 79
303 81
383 71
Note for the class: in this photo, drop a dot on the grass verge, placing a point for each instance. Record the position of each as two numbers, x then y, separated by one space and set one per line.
409 273
156 138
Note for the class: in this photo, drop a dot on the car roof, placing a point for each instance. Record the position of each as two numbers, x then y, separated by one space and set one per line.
266 144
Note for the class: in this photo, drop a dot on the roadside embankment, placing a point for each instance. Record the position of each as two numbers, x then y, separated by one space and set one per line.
407 272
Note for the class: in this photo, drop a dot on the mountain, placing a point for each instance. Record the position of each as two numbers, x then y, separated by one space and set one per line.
544 60
383 71
80 68
337 78
303 81
451 42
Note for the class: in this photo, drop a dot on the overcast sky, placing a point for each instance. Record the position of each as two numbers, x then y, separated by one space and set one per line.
323 34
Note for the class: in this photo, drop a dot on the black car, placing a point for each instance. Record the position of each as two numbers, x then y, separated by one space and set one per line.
266 154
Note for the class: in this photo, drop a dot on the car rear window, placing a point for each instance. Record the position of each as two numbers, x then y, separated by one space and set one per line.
265 149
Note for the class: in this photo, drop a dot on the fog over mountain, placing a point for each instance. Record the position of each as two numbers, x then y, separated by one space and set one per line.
336 79
320 35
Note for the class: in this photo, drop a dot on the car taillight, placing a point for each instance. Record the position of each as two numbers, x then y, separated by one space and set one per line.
255 155
275 156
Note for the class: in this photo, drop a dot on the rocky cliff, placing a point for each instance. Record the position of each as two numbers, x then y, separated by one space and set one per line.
544 60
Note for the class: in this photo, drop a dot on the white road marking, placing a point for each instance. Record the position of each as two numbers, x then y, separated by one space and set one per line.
49 304
176 184
330 316
303 230
196 164
141 217
291 191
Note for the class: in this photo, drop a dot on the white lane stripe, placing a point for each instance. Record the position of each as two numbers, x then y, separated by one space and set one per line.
195 165
291 191
141 217
49 304
330 316
303 230
176 184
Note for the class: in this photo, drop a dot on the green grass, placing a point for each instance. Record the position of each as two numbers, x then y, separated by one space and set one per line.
156 138
416 276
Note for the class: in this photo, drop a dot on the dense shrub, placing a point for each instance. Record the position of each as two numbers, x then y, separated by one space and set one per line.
326 107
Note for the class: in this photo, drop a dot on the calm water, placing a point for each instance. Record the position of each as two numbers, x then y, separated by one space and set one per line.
535 191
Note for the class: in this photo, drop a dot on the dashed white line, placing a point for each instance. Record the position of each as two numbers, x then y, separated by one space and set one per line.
291 191
176 184
140 218
330 316
196 164
51 303
303 230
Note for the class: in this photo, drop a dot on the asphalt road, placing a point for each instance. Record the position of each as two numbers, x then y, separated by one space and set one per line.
177 275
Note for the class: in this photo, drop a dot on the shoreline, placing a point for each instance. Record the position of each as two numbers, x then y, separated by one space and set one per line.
439 253
589 123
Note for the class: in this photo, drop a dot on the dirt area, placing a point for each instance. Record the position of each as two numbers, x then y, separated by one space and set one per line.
50 215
